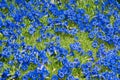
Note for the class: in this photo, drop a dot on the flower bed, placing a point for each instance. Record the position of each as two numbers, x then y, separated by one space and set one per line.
59 40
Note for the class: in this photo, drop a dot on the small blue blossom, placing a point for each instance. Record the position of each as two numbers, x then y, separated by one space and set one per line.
60 74
24 67
17 74
25 77
11 63
39 39
6 73
91 35
31 30
90 53
95 44
54 77
1 64
1 42
70 77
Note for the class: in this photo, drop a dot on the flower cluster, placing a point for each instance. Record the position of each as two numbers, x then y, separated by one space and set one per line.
46 18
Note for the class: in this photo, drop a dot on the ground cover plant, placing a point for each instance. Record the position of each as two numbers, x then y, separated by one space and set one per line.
59 40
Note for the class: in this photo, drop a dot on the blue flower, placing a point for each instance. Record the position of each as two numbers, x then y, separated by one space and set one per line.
57 39
6 54
60 74
96 2
55 12
11 62
91 35
90 53
6 73
65 70
2 15
17 74
42 30
70 77
25 77
43 36
39 40
76 63
3 4
63 51
95 44
11 7
65 62
1 23
33 75
51 50
17 18
72 1
50 20
108 39
87 5
65 23
22 38
75 46
1 42
71 53
1 64
19 1
71 65
24 67
99 35
61 17
5 33
45 73
95 70
26 59
30 16
81 11
109 75
31 30
115 39
76 38
54 77
82 52
103 38
73 31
